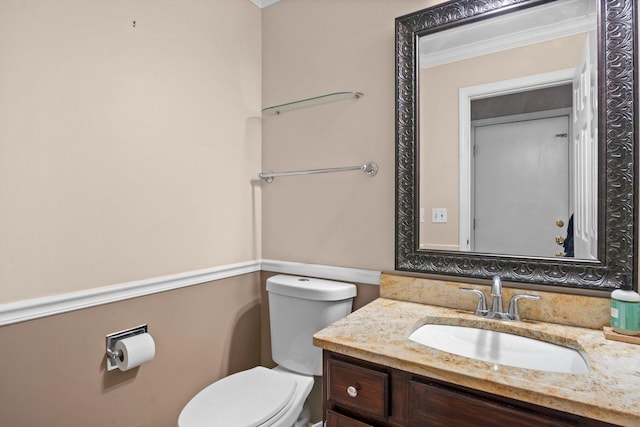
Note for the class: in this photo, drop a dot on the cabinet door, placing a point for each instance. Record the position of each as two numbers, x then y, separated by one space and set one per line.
338 420
434 406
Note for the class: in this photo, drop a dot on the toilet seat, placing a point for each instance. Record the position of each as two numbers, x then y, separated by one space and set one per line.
247 399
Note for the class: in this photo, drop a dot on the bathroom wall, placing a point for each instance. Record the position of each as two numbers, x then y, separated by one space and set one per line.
127 152
53 369
129 136
311 48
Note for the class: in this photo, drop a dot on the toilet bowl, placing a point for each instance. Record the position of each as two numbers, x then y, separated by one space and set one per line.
261 397
253 398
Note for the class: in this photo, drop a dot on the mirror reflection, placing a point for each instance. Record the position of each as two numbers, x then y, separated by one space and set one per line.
508 134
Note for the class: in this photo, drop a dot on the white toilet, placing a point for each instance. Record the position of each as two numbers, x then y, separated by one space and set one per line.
299 307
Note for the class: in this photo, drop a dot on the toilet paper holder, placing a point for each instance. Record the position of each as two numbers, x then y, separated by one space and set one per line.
112 339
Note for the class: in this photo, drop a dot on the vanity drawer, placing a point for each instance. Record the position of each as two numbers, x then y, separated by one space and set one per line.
338 420
361 389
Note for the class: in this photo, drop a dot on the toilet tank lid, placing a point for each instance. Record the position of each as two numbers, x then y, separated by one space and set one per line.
310 288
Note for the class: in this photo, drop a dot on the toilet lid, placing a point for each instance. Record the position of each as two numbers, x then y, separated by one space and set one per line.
246 399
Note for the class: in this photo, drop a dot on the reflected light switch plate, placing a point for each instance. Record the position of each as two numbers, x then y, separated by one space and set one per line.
439 215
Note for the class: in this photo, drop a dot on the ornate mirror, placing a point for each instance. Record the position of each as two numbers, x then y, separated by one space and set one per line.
515 141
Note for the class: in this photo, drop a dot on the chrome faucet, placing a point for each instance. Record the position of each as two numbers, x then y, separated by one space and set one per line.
497 310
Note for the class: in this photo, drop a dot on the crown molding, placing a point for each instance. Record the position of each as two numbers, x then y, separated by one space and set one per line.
263 3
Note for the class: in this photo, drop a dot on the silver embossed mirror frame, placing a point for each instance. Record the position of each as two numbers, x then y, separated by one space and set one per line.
617 174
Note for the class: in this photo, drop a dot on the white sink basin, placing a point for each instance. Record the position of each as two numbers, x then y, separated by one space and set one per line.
501 348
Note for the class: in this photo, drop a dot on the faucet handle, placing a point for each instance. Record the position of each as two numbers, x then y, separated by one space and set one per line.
481 308
513 304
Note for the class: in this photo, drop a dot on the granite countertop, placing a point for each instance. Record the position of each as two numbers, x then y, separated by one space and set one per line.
378 333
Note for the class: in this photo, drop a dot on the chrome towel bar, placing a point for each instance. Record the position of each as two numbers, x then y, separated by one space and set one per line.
370 169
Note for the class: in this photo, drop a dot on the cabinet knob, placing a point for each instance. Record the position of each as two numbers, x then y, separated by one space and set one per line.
352 390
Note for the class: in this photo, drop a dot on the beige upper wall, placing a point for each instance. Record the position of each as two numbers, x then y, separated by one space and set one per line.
310 48
313 47
126 152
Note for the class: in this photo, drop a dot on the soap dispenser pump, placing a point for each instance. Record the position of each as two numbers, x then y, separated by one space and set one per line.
625 310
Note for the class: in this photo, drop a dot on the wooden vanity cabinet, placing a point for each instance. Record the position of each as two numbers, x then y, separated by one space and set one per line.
363 394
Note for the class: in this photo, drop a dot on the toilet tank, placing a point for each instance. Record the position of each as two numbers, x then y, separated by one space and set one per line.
298 308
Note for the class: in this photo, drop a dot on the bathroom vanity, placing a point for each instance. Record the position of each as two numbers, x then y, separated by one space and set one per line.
359 393
375 376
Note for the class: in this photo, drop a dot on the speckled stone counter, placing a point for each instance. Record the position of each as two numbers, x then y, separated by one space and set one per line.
610 392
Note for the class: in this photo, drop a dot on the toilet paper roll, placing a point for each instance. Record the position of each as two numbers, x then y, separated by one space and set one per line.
136 350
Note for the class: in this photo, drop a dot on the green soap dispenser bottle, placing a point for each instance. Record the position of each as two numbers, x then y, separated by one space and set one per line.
625 310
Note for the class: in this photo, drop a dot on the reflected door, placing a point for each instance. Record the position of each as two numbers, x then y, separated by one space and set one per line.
585 155
521 187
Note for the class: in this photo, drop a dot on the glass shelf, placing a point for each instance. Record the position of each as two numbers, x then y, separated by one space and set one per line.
311 102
